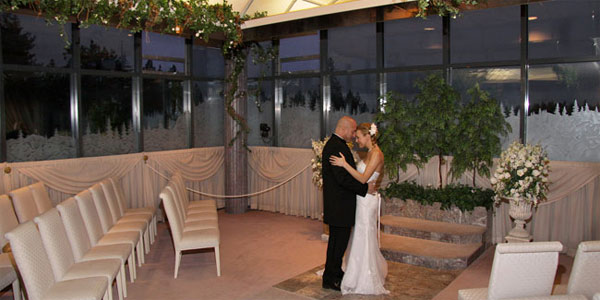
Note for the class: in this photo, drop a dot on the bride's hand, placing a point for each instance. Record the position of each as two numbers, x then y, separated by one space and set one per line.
337 161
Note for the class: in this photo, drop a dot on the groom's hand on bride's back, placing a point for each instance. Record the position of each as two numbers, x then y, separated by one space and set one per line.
372 187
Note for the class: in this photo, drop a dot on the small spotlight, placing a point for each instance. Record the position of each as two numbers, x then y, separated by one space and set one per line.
429 28
532 18
177 29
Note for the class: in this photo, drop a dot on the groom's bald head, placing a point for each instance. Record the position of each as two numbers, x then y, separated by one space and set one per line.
346 128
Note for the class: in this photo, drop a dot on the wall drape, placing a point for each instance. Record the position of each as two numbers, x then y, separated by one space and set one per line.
571 214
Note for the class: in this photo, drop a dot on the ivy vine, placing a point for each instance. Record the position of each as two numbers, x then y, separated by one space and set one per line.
443 7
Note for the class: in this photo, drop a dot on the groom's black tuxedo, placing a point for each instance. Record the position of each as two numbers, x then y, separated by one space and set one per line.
339 207
339 187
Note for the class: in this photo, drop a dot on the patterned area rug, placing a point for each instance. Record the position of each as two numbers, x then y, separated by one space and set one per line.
404 282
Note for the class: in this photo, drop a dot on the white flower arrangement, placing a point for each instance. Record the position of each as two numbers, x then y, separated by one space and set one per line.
316 162
373 129
522 173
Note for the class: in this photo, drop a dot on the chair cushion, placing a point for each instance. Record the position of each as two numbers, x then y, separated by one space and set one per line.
79 289
7 276
197 239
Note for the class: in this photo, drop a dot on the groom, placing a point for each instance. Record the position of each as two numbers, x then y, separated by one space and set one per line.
339 200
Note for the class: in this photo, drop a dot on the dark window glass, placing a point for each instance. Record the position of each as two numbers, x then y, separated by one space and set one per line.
257 68
503 84
300 112
38 124
404 83
486 35
208 113
208 62
106 48
106 116
413 41
352 48
260 111
164 120
28 40
299 54
162 53
564 105
355 96
564 29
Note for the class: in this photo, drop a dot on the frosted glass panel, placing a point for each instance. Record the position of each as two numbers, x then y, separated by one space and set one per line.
300 112
564 110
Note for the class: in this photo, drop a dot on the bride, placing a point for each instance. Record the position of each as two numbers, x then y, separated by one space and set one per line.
365 266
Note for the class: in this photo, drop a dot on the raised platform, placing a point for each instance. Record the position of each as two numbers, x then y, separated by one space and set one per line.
433 230
428 253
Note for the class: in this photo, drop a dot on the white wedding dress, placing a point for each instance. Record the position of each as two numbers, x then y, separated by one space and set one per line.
365 266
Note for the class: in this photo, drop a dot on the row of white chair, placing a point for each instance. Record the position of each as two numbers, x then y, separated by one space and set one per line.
194 224
527 271
90 235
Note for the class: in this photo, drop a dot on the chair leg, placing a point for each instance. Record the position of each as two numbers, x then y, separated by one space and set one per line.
140 253
119 281
131 263
123 280
16 287
177 261
109 290
147 240
218 260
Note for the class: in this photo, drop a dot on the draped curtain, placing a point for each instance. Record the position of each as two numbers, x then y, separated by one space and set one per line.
570 215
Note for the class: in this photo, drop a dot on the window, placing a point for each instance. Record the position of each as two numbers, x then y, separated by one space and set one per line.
105 48
486 35
38 124
208 113
352 48
413 41
28 40
300 112
106 116
260 97
564 29
355 96
208 62
563 110
164 120
162 54
299 54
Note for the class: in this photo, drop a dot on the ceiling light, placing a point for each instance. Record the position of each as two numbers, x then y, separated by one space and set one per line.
532 18
429 28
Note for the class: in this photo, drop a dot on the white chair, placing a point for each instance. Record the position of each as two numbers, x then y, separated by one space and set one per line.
62 262
179 184
191 214
80 241
119 217
121 200
596 296
30 201
585 275
553 297
188 240
88 211
519 270
203 221
109 221
8 222
38 278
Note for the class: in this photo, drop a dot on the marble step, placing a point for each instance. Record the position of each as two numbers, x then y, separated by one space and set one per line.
427 253
433 230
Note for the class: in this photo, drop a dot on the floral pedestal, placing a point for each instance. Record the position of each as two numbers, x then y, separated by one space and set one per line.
520 211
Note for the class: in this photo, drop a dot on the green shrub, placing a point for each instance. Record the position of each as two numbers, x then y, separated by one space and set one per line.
464 197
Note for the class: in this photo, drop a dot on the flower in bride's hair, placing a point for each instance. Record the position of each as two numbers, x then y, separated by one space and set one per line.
373 130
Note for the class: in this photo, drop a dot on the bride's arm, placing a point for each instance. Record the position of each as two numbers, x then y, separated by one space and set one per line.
369 170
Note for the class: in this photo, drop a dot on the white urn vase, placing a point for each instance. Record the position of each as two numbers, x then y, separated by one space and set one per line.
520 211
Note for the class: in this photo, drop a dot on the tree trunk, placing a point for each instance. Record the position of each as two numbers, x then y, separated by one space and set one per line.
236 155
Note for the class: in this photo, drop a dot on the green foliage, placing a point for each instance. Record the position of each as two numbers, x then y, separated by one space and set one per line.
443 7
480 125
464 197
435 119
396 126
